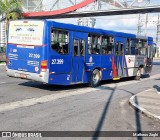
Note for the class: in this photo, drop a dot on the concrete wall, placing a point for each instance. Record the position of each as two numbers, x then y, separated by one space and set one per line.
2 34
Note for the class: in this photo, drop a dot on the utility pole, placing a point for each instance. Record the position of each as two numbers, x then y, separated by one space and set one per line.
140 24
139 30
146 22
157 37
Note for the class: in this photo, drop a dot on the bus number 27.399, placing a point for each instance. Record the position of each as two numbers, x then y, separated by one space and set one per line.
57 61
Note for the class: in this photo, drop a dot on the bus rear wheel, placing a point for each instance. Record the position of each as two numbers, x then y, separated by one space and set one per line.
138 75
95 78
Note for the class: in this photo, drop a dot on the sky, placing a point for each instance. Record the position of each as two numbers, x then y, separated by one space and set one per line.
122 23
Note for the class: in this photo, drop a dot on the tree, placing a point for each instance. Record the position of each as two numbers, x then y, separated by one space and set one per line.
10 10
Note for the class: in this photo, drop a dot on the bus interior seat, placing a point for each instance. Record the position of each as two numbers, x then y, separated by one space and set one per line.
65 47
55 46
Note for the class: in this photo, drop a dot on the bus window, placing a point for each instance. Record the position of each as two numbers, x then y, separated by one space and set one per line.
82 47
150 51
89 49
137 46
133 50
141 47
133 47
117 46
79 44
119 49
96 49
59 41
107 45
94 44
75 46
128 46
143 51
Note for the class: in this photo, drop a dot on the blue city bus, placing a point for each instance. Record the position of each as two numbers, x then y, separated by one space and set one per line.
66 54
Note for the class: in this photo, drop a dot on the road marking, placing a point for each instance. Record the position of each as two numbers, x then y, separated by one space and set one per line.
63 94
3 83
131 82
43 99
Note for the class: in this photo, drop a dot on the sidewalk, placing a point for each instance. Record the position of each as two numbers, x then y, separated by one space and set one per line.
148 102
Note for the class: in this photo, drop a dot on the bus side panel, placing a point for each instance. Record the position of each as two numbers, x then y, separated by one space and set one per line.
92 62
133 63
87 76
103 63
59 69
59 64
106 65
59 79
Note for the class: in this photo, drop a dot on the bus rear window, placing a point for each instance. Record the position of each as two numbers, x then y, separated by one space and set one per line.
59 41
26 32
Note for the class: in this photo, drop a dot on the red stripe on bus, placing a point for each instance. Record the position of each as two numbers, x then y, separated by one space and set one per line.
114 68
29 45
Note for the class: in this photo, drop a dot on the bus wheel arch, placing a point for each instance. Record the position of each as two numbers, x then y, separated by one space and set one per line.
96 77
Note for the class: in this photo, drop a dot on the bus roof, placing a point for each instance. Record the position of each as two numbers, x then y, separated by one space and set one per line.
89 29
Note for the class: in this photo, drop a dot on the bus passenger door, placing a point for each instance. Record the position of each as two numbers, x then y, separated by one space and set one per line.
119 58
78 58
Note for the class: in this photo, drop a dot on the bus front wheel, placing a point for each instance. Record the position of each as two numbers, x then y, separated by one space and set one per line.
138 75
95 78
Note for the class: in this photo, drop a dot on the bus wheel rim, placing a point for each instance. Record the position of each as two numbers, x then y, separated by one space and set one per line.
95 78
138 73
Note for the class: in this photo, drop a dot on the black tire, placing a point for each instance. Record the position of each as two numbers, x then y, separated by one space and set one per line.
95 78
138 75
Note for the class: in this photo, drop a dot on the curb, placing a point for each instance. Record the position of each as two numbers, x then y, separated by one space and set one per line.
142 110
3 64
158 58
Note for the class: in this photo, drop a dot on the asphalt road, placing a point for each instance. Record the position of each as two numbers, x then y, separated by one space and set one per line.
25 105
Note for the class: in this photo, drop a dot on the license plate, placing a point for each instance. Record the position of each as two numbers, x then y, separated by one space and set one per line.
23 76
